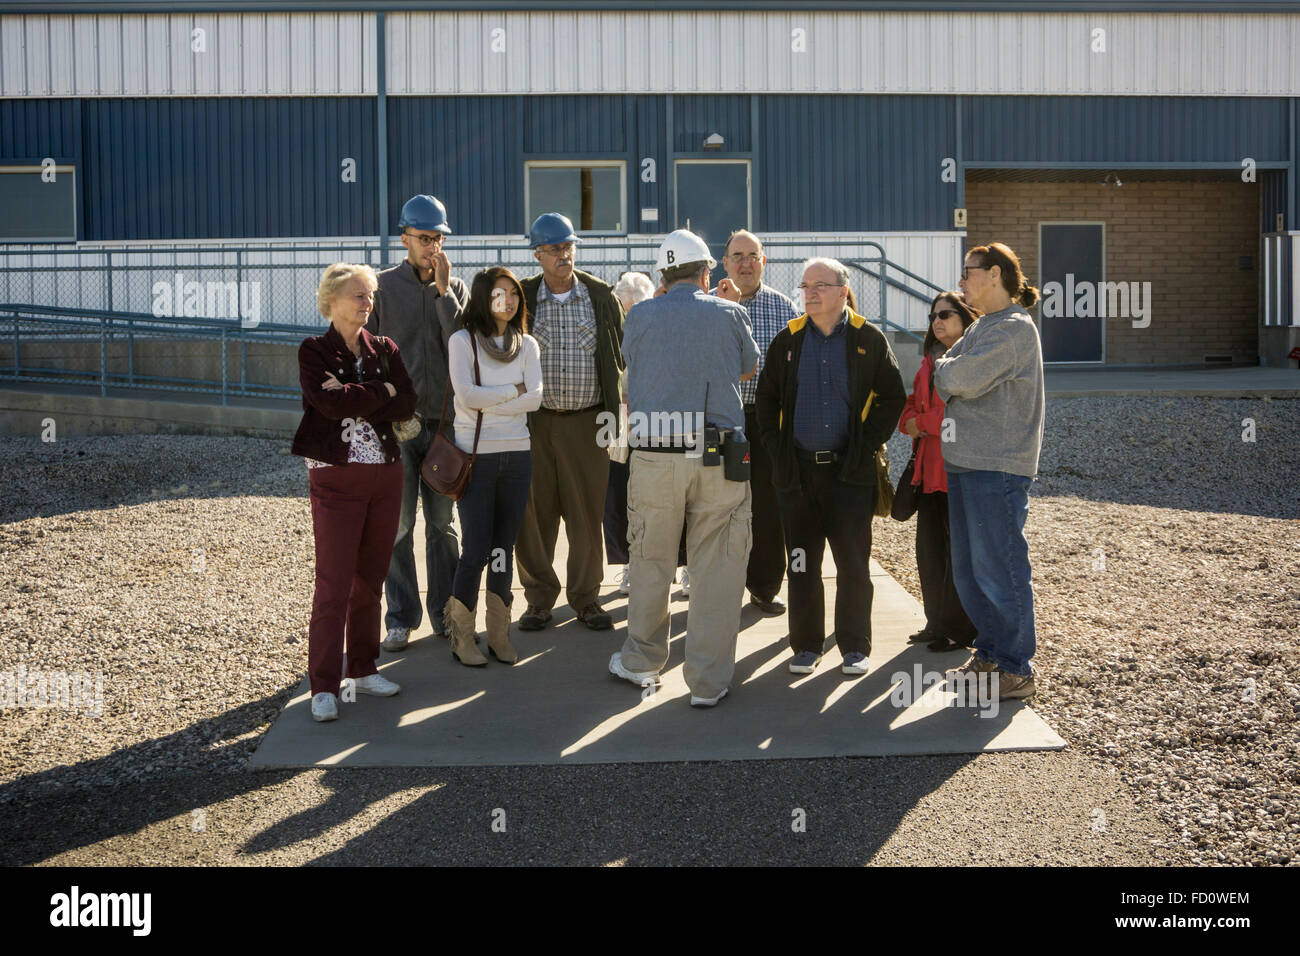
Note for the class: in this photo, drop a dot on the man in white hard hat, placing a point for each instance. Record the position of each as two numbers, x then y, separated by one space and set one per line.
686 353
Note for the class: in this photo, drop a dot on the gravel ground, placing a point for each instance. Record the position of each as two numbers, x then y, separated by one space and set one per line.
1165 569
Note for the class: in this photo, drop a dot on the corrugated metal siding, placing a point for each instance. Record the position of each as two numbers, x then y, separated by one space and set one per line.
252 54
575 125
200 168
651 143
845 52
467 151
1272 198
269 54
35 129
695 117
1122 129
848 163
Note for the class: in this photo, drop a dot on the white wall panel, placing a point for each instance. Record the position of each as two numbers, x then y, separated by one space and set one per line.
635 51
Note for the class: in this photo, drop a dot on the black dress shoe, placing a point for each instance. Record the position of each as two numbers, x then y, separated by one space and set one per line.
923 636
771 607
942 644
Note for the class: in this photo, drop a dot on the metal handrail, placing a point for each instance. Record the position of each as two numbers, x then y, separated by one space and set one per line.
34 324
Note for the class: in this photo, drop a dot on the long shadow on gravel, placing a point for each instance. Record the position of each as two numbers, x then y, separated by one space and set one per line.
47 813
838 811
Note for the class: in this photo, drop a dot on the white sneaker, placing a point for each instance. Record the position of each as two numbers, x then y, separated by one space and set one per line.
397 639
640 678
625 580
684 580
324 706
707 701
377 685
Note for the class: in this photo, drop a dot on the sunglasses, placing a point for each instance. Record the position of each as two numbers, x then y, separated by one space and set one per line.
944 314
965 271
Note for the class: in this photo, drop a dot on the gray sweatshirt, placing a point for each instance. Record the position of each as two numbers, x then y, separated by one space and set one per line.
420 321
992 382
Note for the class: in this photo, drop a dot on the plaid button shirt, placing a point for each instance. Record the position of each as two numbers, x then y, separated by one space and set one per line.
566 333
769 312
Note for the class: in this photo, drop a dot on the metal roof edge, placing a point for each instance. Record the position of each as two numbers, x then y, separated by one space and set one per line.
549 6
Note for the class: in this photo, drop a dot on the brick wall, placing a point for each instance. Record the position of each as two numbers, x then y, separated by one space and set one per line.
1184 238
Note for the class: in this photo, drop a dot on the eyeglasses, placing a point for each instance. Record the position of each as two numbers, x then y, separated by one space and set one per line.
965 270
819 287
944 314
556 250
426 241
744 258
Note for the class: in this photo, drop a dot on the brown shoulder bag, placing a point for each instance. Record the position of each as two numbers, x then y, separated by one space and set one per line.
446 469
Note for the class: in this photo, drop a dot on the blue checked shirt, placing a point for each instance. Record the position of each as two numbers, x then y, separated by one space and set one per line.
821 408
566 333
769 312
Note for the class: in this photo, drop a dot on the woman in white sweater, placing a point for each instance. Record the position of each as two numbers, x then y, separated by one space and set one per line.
492 404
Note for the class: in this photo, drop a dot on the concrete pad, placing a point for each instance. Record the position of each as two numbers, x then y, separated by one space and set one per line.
559 704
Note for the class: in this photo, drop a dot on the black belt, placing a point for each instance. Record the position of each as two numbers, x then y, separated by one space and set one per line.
669 446
576 411
817 457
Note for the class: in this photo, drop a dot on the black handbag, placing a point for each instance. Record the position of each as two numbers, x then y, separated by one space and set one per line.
907 496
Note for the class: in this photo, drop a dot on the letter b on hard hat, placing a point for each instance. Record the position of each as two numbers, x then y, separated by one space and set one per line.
682 247
424 212
551 228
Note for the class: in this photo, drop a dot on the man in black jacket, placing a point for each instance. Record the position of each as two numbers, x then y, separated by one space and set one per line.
829 396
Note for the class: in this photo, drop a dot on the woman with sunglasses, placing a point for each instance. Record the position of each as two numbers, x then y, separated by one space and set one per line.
947 625
992 380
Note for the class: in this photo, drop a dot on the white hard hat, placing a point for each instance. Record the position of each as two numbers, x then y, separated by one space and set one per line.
680 248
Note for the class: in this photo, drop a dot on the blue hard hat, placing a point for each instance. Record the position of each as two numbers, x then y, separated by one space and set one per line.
551 227
424 212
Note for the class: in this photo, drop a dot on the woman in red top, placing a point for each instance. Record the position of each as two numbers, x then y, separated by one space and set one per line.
946 624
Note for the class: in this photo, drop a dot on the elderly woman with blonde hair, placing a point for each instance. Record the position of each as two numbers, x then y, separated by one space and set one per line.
354 386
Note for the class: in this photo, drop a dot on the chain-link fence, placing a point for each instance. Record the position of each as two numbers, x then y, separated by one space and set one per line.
256 285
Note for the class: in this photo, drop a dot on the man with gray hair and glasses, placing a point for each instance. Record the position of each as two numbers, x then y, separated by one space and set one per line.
769 312
829 396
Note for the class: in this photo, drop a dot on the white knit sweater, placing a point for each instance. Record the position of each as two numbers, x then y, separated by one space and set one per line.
505 411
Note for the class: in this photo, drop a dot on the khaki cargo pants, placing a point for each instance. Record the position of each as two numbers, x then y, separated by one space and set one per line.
664 491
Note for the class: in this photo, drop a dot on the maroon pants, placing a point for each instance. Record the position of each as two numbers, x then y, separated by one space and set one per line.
354 513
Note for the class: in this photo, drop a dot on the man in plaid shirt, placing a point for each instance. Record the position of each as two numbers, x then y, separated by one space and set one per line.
769 312
578 323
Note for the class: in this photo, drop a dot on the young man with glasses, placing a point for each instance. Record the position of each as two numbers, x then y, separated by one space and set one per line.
769 312
418 305
829 395
578 324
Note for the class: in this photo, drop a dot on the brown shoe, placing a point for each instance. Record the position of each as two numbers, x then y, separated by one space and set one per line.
975 665
535 618
459 621
498 630
1014 686
595 617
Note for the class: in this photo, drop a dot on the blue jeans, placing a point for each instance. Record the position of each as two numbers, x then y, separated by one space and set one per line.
990 564
491 512
440 544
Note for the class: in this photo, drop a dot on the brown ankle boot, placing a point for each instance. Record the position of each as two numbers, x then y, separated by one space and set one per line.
498 630
460 628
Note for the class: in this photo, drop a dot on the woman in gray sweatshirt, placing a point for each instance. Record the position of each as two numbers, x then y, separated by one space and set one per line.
992 382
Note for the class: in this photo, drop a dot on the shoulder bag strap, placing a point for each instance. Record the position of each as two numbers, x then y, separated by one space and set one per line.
478 380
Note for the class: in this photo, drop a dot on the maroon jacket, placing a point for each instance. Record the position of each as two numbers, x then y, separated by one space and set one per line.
320 434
